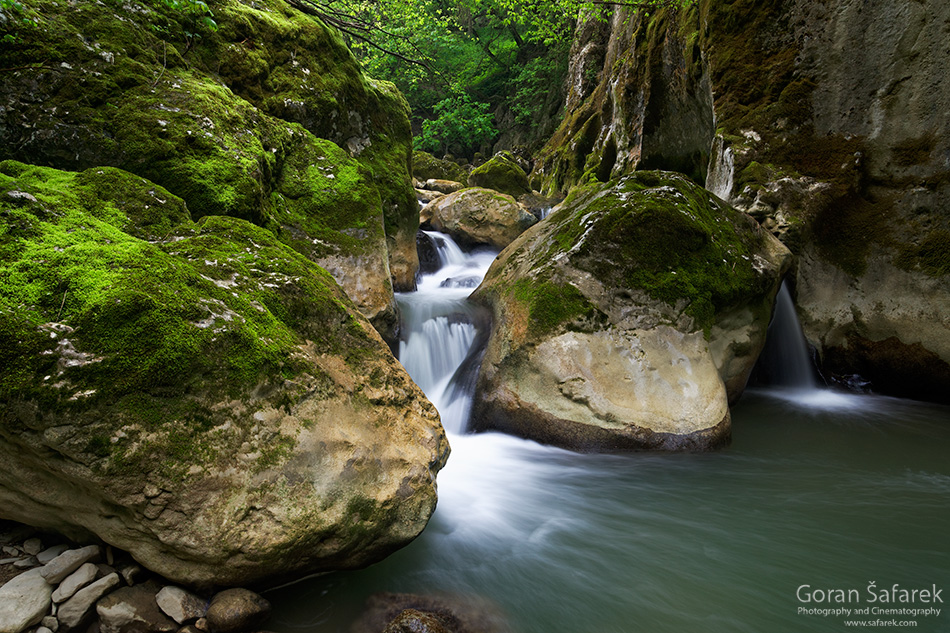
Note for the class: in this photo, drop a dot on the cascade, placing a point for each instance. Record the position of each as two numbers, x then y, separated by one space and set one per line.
439 328
785 366
785 361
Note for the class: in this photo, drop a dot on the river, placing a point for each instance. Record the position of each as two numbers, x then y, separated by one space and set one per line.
819 488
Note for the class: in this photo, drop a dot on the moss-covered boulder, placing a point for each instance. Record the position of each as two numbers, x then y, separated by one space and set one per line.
425 166
628 319
225 121
501 173
198 394
478 217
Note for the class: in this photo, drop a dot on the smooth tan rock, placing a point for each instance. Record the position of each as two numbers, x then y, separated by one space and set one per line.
478 217
592 348
237 611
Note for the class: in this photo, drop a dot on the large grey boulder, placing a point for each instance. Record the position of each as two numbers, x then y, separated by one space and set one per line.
628 319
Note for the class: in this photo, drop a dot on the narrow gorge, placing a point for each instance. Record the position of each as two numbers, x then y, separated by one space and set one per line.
474 317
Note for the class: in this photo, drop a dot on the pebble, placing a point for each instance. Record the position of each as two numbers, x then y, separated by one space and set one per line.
33 546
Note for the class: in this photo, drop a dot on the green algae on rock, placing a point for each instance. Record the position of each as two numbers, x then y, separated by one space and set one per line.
628 319
205 398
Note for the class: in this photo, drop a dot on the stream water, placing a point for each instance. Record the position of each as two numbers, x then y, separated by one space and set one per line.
818 488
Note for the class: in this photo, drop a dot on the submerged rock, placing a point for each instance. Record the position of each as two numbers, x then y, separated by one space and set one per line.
628 319
478 217
207 399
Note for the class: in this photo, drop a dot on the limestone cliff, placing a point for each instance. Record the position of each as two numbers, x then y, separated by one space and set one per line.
827 122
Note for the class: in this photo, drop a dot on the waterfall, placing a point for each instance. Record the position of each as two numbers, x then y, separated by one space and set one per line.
785 367
722 168
440 328
785 361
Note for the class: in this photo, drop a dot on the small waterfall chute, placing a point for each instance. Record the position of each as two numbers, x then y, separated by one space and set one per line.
440 328
785 367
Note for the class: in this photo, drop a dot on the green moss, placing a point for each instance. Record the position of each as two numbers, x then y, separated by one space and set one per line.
209 122
426 166
502 174
931 256
149 328
551 305
658 232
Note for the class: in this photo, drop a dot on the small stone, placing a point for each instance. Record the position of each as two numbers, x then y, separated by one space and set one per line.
75 612
20 196
9 550
43 629
26 563
24 601
33 546
8 561
133 609
130 573
189 628
51 623
237 611
74 582
50 553
202 624
180 605
66 563
110 556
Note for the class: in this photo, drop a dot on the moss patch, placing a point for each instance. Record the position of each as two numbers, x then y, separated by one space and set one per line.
426 166
501 173
658 232
133 335
931 256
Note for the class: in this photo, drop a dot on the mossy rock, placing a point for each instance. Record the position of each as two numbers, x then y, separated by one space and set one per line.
628 318
188 377
502 174
222 121
425 166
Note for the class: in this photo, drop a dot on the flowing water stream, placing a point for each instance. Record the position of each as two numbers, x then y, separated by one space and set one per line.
818 488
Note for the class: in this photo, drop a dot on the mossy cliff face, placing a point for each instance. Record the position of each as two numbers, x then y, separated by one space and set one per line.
627 319
198 394
639 98
225 122
829 131
831 114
